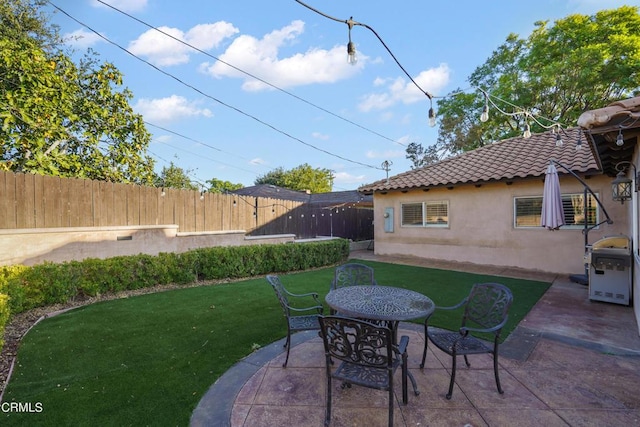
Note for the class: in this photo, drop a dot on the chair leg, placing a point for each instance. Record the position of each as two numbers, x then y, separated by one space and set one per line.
391 402
405 374
495 371
287 344
453 375
327 418
424 352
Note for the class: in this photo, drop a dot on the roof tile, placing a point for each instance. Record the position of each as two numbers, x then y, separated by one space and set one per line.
504 160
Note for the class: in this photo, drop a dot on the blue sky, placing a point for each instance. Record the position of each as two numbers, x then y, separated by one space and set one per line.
208 116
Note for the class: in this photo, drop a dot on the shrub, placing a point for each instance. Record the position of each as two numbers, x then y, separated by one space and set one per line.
4 316
23 288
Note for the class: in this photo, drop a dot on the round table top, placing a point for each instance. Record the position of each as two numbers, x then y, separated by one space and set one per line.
380 302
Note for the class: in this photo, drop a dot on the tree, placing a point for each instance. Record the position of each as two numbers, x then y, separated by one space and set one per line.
303 177
220 186
175 177
580 63
61 118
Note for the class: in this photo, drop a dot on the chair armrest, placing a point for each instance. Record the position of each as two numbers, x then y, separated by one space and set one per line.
402 345
313 295
318 308
465 329
453 307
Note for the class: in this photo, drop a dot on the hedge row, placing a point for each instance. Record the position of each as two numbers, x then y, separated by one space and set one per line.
23 288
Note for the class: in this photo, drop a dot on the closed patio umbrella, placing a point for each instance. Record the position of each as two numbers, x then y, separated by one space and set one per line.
552 210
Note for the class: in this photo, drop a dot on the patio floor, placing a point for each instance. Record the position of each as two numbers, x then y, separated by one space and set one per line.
570 362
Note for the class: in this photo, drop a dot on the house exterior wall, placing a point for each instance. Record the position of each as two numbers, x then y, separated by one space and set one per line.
481 226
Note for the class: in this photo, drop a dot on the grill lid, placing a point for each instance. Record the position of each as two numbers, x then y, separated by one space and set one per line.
612 242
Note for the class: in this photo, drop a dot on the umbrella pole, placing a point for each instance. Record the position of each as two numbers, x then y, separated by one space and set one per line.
584 278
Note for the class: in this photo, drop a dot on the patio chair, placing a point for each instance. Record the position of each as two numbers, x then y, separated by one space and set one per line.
485 311
292 312
352 274
368 357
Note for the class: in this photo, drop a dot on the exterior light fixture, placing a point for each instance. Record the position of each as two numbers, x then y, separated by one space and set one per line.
622 186
620 139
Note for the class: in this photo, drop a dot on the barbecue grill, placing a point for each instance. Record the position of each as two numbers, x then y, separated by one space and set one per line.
610 272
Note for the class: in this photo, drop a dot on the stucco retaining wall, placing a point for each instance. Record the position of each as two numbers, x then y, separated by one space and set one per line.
37 245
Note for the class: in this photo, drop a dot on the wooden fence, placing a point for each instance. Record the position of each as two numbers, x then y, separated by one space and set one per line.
35 201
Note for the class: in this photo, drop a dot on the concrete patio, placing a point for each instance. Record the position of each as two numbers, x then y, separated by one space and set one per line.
570 362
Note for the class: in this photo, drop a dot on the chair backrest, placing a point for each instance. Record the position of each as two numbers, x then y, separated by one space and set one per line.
281 292
487 305
356 341
352 274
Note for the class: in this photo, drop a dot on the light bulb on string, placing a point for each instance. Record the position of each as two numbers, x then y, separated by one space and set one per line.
559 142
432 117
620 139
352 57
527 132
485 113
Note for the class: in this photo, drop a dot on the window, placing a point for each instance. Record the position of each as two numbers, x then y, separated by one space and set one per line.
425 214
528 211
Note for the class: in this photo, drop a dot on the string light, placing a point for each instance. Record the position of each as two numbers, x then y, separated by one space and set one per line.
559 141
620 138
352 57
432 117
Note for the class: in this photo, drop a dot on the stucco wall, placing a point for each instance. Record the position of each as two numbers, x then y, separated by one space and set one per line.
481 227
37 245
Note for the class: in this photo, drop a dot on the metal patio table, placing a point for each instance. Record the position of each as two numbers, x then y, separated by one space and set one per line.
381 303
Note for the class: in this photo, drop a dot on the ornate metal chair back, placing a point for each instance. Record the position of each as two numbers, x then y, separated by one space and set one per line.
357 342
281 293
487 305
353 274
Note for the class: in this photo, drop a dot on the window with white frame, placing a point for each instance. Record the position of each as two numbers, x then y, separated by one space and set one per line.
528 211
425 214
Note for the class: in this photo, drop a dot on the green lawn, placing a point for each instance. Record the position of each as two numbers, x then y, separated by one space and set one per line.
147 360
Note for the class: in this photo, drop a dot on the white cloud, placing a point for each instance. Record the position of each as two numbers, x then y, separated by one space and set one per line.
347 178
164 139
163 50
257 161
260 57
404 91
171 108
319 135
81 38
124 5
388 154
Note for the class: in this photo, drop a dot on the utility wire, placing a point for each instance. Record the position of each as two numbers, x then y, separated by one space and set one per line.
236 109
253 76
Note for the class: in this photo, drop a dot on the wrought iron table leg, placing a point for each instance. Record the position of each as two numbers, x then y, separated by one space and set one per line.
413 383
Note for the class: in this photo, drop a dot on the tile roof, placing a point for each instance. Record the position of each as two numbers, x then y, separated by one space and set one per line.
333 198
274 192
605 124
506 160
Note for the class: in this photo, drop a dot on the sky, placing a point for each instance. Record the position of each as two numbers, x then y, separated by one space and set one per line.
235 89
